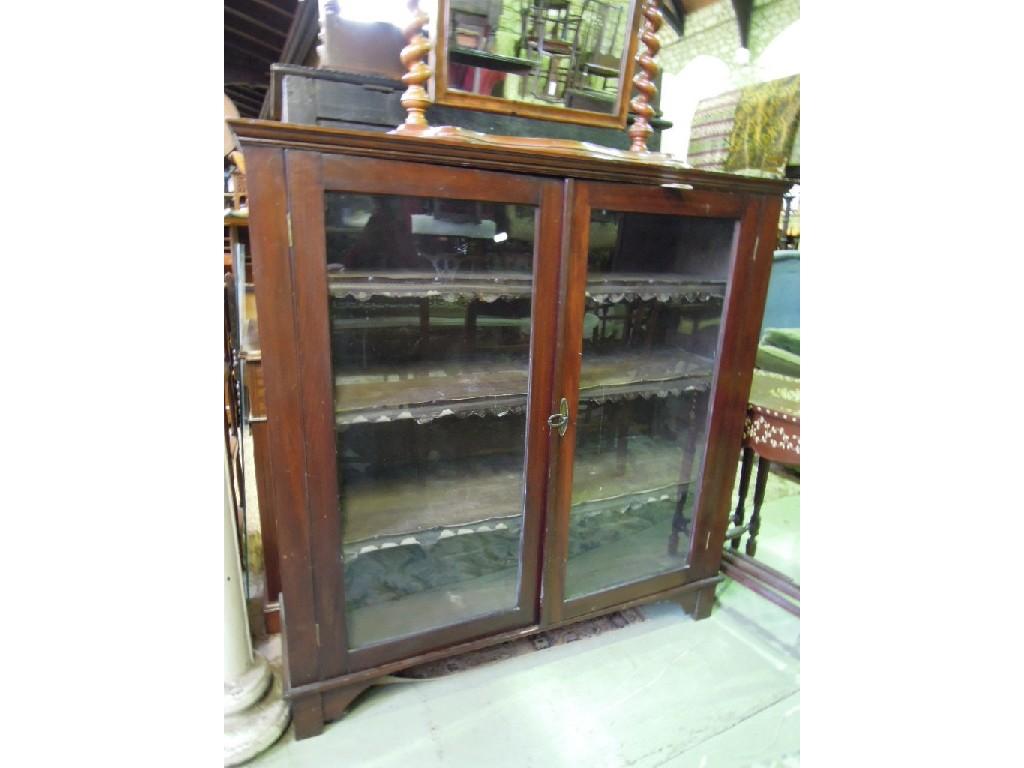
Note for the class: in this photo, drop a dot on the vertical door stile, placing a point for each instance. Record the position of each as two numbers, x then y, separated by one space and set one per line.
573 271
544 342
313 337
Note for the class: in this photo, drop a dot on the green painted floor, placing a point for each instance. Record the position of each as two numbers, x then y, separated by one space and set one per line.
718 693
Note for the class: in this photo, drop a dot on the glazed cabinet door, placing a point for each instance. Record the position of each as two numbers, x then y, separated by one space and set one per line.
425 314
645 295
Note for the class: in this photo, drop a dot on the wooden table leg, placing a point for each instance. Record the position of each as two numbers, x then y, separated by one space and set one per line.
755 518
738 515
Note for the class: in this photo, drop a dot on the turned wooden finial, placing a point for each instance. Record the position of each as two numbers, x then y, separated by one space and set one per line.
415 99
644 80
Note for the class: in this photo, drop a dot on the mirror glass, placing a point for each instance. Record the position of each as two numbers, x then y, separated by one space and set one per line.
566 54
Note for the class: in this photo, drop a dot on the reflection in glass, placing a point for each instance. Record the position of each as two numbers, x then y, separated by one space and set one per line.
430 313
565 53
655 288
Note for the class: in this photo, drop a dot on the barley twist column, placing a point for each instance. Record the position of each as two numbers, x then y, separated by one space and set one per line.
415 100
644 80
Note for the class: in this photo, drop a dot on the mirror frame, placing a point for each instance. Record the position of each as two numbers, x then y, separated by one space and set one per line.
443 95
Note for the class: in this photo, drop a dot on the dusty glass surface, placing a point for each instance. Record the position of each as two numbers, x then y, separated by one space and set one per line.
430 315
655 289
558 53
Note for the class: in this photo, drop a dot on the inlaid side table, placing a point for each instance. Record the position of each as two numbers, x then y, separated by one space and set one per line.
772 432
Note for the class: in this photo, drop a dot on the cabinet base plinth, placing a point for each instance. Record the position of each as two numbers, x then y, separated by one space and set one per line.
311 712
308 716
697 602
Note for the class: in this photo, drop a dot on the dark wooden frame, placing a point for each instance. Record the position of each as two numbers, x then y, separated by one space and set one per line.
309 176
711 493
442 94
290 168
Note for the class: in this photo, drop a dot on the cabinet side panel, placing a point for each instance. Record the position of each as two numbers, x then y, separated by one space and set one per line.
748 289
268 229
306 203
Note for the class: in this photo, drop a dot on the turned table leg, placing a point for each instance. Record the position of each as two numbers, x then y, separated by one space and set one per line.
755 517
737 516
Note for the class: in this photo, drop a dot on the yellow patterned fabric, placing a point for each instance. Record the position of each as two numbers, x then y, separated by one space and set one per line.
764 128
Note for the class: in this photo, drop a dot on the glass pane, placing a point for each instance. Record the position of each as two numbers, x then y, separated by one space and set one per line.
548 52
430 316
655 286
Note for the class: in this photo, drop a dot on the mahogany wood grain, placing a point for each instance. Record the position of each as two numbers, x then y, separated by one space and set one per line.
674 202
372 176
674 594
274 300
308 716
316 393
543 342
555 539
705 602
586 197
570 351
291 289
719 460
547 157
388 177
744 310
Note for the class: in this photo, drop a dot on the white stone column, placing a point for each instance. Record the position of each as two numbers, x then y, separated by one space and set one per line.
254 713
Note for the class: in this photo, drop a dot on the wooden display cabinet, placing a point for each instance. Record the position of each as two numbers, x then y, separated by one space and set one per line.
505 387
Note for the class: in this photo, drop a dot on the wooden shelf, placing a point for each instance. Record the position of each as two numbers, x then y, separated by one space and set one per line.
490 286
481 495
486 60
425 392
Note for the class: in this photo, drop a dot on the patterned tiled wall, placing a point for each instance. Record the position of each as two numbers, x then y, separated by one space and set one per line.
713 31
712 34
